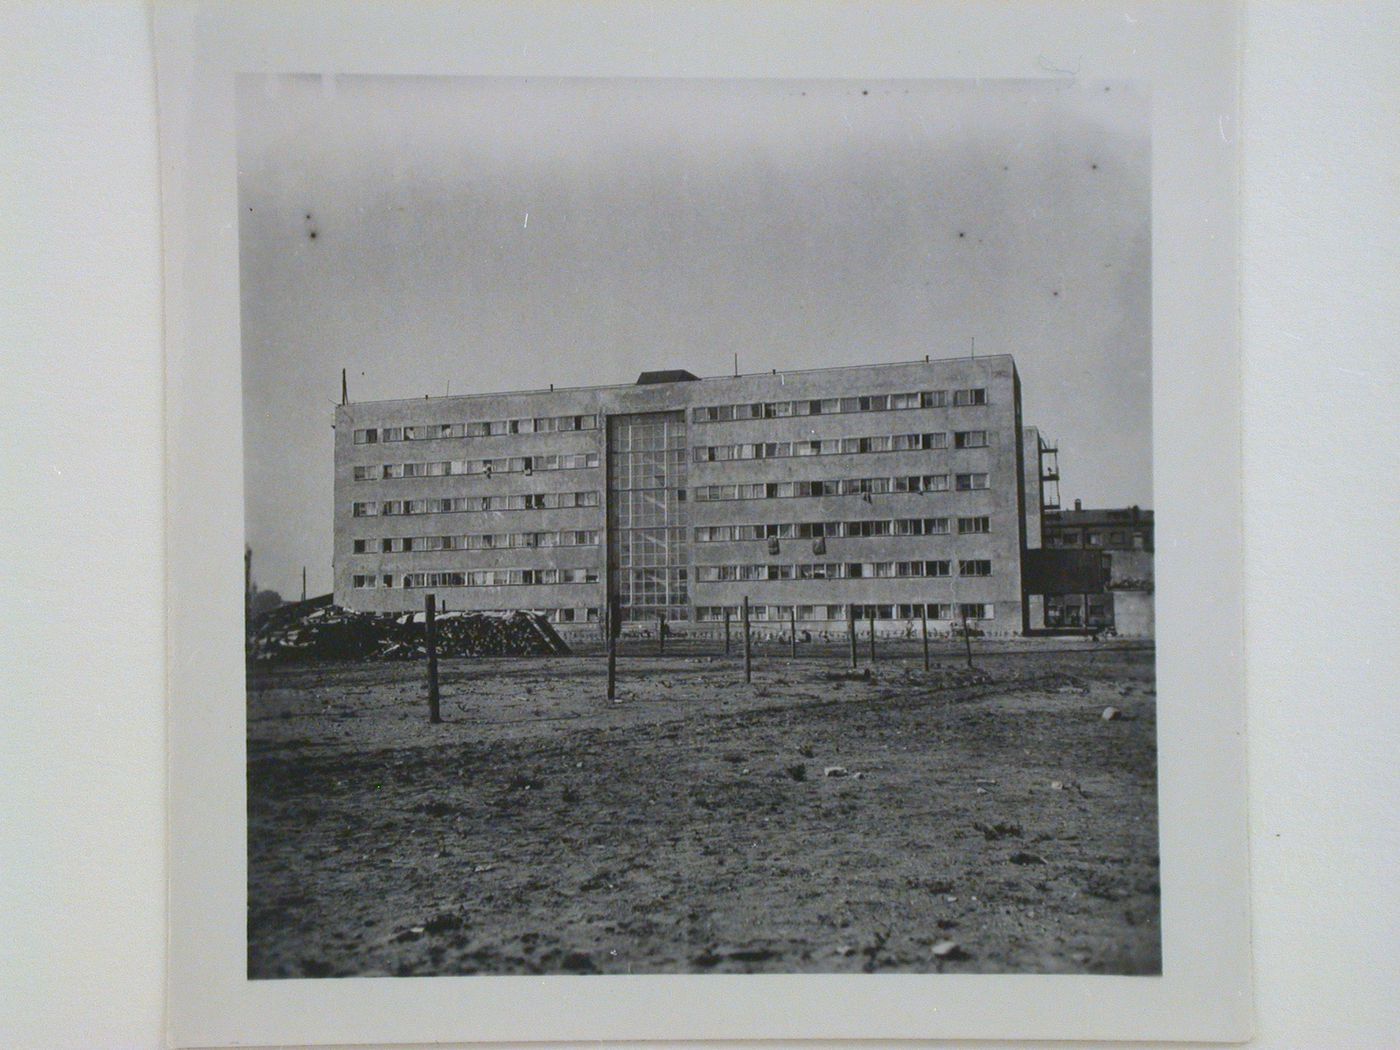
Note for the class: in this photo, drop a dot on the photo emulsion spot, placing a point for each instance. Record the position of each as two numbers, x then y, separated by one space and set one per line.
697 527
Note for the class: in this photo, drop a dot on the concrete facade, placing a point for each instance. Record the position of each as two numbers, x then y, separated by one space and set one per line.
893 487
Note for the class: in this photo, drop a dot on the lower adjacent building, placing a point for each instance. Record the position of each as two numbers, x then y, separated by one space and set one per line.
900 490
1123 539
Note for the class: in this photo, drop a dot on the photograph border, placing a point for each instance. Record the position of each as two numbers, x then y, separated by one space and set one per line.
1188 53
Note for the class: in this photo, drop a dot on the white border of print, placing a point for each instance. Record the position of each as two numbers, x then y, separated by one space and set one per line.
1186 51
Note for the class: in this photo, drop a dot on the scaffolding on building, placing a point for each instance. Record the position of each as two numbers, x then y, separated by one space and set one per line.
1049 476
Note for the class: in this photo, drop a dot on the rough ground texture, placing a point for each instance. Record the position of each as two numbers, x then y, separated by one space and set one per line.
691 827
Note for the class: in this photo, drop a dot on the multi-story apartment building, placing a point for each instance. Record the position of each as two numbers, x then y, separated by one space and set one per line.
899 489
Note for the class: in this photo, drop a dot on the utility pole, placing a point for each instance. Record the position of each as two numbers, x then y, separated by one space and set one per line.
793 632
872 634
851 632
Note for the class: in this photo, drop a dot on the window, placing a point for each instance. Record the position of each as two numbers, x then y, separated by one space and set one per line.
970 439
983 523
977 611
365 509
968 482
973 396
975 567
366 437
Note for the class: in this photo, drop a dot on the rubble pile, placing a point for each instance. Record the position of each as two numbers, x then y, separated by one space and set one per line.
327 632
474 634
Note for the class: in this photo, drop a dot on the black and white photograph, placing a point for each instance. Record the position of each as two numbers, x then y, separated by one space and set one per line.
697 526
612 523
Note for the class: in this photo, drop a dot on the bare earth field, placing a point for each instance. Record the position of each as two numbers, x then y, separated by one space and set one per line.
690 827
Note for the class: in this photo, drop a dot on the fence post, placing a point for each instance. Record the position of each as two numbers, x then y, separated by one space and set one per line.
851 632
726 630
872 635
794 632
613 627
924 619
430 636
967 638
748 655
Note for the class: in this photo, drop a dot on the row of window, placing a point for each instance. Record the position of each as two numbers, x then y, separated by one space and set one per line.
490 428
479 578
803 530
501 465
1117 539
473 504
479 542
828 406
839 446
915 483
818 613
853 570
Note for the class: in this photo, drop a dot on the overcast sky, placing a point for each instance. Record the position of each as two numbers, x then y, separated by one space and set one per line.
490 234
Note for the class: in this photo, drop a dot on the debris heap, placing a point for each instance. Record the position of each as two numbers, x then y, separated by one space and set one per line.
321 631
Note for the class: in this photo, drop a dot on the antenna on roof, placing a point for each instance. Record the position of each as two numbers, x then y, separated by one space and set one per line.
736 364
974 347
344 388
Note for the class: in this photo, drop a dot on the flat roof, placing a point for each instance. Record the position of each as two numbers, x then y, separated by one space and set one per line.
700 379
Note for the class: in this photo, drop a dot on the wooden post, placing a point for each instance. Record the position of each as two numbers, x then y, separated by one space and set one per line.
726 630
794 632
872 635
925 626
613 628
967 637
748 655
430 636
851 632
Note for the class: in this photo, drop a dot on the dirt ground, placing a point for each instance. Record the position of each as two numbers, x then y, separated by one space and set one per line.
980 826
